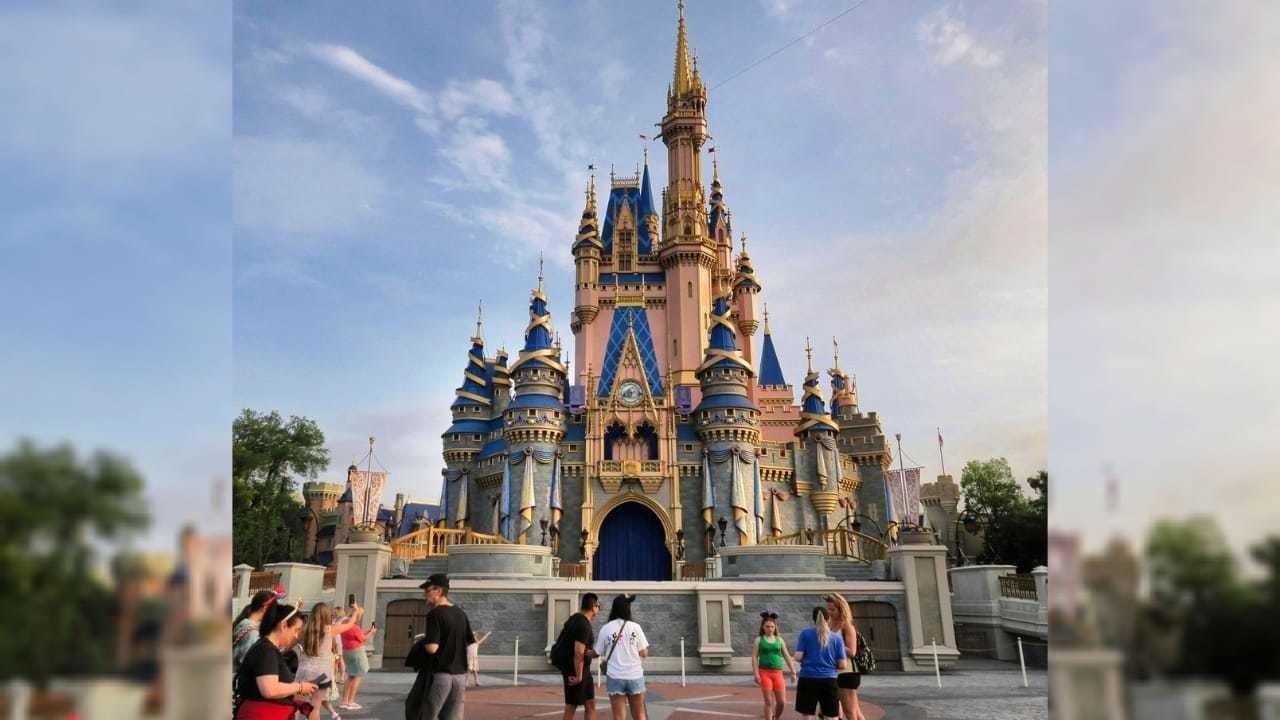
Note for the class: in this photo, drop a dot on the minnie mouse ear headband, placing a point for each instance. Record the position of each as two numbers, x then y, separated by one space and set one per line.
768 615
277 593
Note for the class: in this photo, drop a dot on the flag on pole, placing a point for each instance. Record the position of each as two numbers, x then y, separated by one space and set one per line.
939 437
644 137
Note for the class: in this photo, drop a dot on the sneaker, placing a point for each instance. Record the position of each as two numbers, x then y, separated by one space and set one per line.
353 706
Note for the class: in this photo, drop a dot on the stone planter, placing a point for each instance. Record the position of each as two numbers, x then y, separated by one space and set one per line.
364 535
824 501
915 536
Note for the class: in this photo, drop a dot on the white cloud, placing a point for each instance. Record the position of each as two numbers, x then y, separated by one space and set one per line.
483 95
952 42
779 8
360 68
481 157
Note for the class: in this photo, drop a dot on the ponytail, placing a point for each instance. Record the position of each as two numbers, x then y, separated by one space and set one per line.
258 602
820 622
275 616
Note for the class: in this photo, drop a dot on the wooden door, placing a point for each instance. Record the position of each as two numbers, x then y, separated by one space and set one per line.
405 620
878 623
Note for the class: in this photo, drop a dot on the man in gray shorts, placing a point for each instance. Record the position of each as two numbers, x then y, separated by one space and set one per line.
448 635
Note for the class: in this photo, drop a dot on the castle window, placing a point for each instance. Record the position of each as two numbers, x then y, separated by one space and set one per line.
688 447
729 412
573 448
533 414
477 437
690 289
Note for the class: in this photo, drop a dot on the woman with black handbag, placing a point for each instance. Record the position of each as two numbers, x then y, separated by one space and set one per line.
850 680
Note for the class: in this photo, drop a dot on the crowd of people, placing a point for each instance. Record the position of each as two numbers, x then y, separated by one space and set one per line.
288 667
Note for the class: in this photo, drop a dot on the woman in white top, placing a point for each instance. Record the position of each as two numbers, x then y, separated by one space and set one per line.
316 655
621 644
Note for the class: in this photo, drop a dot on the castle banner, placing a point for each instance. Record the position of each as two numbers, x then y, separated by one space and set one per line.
905 491
366 495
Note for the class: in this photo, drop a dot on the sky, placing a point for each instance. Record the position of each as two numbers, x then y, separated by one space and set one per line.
115 234
395 168
305 218
1163 266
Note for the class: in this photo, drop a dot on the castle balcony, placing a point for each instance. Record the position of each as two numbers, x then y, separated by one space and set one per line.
613 473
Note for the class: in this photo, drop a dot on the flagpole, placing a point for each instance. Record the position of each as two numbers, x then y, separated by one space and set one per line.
940 458
368 481
902 481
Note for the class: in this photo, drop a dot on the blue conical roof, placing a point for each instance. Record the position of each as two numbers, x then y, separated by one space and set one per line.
813 410
722 344
770 368
646 194
477 388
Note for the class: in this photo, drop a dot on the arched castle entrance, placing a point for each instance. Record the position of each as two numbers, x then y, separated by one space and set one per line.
632 544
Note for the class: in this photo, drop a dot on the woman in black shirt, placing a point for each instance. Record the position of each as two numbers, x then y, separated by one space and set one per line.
264 683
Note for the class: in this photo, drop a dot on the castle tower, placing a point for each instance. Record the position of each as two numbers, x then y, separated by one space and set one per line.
745 289
687 251
728 425
472 413
587 250
844 394
817 432
321 500
533 423
720 229
775 398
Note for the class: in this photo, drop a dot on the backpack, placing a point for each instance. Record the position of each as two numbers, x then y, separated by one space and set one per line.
561 654
864 661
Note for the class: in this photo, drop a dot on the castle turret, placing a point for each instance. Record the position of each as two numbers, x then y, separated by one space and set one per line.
745 289
818 432
587 250
844 394
728 425
534 423
687 251
472 411
720 229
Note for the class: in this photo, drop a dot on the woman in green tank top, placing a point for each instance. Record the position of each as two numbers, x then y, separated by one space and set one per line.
768 658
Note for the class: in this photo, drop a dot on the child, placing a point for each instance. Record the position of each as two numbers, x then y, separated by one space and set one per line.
473 657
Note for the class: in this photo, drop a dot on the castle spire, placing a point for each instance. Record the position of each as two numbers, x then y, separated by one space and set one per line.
683 80
808 354
835 349
770 368
478 338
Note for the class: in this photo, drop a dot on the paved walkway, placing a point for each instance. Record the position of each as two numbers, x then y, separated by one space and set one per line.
974 691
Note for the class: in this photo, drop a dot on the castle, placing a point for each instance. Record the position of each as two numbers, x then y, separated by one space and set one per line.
673 431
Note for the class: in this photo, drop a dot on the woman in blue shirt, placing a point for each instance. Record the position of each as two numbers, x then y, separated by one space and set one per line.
821 654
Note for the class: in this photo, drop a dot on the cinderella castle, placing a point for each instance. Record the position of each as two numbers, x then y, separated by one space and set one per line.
673 432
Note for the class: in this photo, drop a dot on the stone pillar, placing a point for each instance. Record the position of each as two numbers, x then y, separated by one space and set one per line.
1269 701
196 679
19 692
360 567
300 580
240 593
108 699
923 572
1041 575
1086 684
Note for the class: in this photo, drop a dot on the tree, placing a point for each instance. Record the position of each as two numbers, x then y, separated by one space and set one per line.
1015 527
267 454
54 508
1187 561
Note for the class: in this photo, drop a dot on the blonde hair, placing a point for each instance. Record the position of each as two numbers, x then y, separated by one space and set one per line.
313 634
842 607
820 622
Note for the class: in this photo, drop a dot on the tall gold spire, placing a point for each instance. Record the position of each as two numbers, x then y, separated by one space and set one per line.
683 81
808 353
478 337
540 276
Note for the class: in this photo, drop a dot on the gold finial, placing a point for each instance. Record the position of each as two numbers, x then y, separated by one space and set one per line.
479 322
808 353
611 173
835 344
715 167
744 243
540 271
766 318
646 154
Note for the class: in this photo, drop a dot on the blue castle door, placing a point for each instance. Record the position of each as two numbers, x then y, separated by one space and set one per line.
632 546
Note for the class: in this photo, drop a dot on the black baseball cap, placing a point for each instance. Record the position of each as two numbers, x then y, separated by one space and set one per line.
440 580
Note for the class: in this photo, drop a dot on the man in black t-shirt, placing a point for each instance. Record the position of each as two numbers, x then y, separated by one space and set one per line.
447 637
575 641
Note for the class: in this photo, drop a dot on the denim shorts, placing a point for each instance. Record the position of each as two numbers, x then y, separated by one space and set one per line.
617 686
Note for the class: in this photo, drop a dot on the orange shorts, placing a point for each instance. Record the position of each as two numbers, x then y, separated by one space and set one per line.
772 680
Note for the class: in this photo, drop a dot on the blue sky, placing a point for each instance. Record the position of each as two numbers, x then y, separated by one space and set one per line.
115 230
393 168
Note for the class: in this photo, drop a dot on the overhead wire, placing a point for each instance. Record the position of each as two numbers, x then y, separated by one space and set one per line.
825 23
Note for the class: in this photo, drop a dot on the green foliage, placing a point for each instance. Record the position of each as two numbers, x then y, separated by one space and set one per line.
267 454
54 507
1015 526
1227 624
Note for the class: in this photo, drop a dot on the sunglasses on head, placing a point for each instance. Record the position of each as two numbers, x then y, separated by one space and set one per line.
766 615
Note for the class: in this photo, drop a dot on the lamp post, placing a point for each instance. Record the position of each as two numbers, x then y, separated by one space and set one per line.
724 529
582 550
555 538
680 544
711 539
